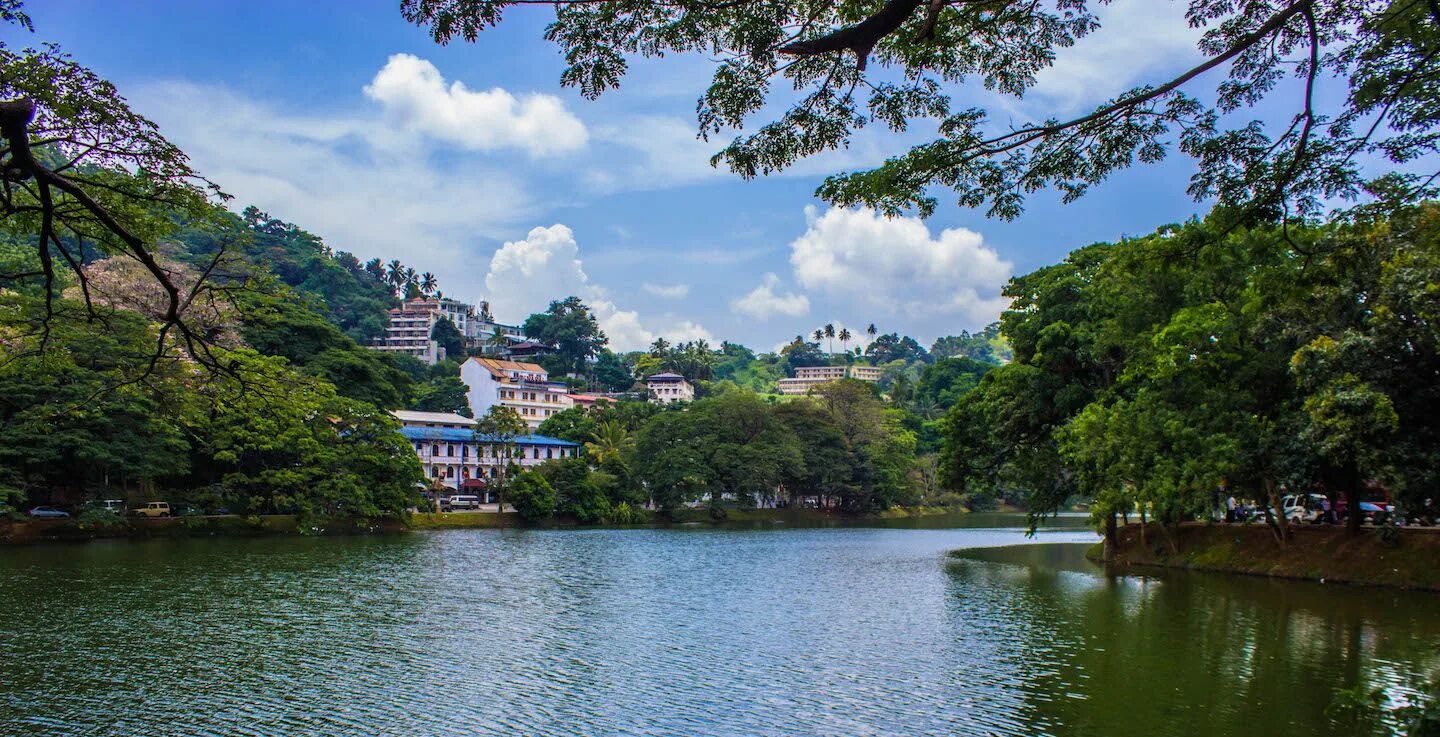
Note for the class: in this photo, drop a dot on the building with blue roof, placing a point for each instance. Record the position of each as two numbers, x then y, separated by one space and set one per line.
455 458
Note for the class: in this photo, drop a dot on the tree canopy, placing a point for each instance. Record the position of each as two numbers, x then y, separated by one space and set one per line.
903 64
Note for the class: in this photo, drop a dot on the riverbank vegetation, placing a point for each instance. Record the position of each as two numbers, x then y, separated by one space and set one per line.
1153 372
1410 559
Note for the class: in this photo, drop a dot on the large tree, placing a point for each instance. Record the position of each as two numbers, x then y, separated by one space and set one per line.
904 63
569 328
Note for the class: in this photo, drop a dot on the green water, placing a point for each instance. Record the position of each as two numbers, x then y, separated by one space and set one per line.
695 631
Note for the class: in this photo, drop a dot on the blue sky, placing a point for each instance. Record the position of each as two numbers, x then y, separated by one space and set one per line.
472 162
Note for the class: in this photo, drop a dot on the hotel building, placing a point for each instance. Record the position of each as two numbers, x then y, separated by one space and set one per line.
667 388
454 457
523 387
809 377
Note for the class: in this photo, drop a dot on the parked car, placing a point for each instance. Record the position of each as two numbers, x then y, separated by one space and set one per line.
152 509
1303 508
460 501
49 513
116 506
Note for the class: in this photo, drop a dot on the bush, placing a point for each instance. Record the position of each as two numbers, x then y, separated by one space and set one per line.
532 496
624 514
99 519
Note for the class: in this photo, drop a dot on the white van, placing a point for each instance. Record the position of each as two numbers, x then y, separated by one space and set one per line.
460 501
1303 508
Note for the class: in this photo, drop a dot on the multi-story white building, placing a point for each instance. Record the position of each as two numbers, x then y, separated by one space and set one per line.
409 331
809 377
667 388
454 457
412 323
523 387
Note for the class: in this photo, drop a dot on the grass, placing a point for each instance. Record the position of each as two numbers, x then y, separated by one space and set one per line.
1411 560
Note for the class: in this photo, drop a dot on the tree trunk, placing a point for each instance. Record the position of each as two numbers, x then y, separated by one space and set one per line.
1280 525
1111 541
1353 515
1144 525
1169 540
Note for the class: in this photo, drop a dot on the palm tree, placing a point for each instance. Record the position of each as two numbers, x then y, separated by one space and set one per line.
872 331
845 339
830 337
395 271
498 342
609 441
428 284
819 335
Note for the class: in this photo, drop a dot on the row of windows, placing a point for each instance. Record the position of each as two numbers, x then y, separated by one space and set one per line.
448 450
530 396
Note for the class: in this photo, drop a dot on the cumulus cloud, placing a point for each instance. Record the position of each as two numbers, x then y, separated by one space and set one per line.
337 177
766 301
667 291
526 274
897 266
416 97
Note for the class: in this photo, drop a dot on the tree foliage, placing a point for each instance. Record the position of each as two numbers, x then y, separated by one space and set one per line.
1151 373
904 64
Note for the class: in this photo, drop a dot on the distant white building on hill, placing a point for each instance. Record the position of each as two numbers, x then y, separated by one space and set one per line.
809 377
667 388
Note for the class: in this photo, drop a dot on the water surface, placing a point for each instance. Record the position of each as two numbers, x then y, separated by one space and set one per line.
694 631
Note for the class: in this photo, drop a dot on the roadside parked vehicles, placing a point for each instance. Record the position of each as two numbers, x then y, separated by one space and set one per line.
152 509
117 506
459 501
1303 508
48 513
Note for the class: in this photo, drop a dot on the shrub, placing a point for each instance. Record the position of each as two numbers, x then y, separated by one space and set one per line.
532 496
99 519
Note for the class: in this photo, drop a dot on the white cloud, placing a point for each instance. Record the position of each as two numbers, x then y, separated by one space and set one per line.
667 291
525 275
895 265
415 97
765 301
1136 40
338 177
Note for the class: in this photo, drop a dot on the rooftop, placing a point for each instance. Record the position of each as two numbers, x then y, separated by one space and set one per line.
461 435
498 364
447 418
666 377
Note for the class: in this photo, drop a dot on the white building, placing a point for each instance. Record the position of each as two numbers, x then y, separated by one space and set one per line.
667 388
809 377
523 387
412 323
455 458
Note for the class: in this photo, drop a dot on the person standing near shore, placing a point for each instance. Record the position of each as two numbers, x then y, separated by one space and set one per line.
1230 509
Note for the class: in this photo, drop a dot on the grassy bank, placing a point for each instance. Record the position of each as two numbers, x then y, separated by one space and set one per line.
1410 560
21 532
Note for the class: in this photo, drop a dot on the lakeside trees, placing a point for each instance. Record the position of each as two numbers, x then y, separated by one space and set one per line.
1151 373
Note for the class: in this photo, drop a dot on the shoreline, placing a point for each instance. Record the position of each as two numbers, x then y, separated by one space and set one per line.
1324 554
31 532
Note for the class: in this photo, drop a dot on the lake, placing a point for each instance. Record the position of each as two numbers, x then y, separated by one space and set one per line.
839 631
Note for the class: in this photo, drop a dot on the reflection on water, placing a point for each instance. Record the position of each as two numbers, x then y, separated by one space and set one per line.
695 631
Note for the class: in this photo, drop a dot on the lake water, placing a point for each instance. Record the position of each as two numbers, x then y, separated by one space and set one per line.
692 631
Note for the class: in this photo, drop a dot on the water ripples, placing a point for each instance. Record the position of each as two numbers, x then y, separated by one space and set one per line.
692 632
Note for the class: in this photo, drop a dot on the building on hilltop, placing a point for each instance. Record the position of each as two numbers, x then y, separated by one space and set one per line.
523 387
455 458
809 377
409 331
667 388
